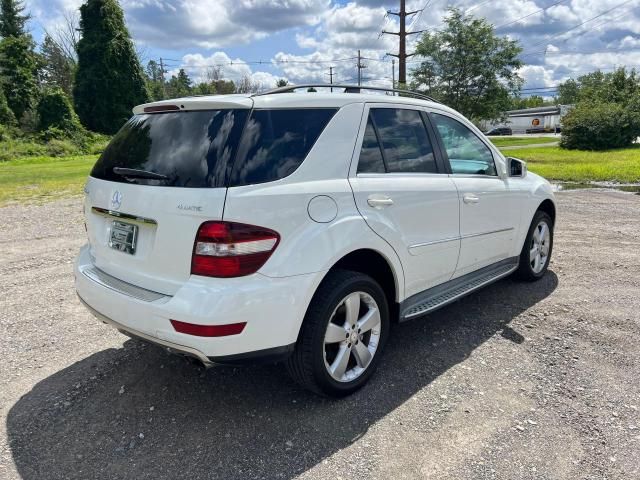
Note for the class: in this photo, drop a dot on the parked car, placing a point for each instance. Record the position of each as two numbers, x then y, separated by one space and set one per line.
500 131
296 227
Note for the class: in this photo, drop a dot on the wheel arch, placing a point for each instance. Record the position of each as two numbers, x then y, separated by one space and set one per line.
375 264
549 208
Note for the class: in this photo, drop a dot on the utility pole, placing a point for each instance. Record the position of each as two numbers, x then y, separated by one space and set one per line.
330 76
360 66
162 72
402 54
393 73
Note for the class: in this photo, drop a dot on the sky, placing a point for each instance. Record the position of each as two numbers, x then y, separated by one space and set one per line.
300 39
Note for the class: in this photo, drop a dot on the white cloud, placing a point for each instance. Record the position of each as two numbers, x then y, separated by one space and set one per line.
330 33
216 23
196 65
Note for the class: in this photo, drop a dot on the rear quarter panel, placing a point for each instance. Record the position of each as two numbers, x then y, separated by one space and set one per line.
307 246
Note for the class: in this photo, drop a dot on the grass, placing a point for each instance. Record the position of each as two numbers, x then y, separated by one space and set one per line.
39 179
518 141
553 163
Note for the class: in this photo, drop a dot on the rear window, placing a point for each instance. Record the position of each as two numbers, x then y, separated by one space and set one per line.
276 142
213 148
192 149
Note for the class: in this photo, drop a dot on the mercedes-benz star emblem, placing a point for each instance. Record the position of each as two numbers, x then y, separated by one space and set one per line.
116 200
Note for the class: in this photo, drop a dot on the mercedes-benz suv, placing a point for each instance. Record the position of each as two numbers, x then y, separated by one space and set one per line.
296 227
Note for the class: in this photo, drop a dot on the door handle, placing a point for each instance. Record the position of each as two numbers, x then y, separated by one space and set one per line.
470 198
379 201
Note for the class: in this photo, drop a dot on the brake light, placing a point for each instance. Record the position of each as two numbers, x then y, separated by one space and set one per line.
229 249
208 330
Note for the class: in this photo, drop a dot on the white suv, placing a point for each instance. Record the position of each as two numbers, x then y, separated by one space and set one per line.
297 226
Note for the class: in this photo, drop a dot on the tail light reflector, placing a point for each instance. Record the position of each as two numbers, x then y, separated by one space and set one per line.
208 330
229 249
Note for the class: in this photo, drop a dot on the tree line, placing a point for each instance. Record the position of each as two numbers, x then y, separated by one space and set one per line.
86 75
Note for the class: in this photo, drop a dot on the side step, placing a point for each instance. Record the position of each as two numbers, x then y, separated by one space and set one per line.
437 297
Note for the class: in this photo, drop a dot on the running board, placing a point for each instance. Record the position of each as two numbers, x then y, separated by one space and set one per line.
437 297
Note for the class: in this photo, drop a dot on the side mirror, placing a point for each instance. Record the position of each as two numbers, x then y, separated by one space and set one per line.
516 167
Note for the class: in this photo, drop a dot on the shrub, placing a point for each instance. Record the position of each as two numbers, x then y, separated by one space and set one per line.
6 115
599 126
62 148
55 111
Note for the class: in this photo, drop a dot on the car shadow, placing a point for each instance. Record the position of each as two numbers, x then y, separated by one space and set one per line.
136 412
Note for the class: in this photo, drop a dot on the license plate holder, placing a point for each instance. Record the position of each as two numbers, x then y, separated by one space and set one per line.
123 237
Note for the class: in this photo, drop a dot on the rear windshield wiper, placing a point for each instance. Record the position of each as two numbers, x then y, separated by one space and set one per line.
134 173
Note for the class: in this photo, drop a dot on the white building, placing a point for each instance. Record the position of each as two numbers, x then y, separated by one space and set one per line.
534 120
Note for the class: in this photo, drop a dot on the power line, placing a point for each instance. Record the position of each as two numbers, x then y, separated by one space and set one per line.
581 24
530 14
582 52
477 6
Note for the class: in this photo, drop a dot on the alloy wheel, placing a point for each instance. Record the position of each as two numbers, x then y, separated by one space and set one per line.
540 245
352 337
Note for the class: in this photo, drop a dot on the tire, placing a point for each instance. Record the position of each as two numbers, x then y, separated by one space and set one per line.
534 269
315 363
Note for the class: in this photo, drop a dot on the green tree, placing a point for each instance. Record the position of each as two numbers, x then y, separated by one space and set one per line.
12 21
204 88
6 115
155 81
18 62
281 82
18 65
533 101
109 80
56 111
179 85
224 87
468 67
58 70
618 86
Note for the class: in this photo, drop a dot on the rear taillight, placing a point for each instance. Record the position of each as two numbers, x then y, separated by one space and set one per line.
229 249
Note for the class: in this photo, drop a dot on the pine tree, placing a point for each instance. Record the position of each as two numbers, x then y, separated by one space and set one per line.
109 80
18 65
6 115
155 81
11 19
180 85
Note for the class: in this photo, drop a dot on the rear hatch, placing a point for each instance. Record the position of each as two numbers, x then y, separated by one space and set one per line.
160 178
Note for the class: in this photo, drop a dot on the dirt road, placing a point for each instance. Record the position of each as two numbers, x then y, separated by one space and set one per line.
518 381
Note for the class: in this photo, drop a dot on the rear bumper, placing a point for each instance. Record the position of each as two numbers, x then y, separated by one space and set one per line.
273 309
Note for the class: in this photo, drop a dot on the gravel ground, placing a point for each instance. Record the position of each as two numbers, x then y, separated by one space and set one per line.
518 381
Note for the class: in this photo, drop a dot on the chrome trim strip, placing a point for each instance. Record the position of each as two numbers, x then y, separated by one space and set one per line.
113 213
174 347
474 175
434 242
122 287
471 235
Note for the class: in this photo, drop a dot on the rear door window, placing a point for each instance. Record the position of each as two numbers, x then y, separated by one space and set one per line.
370 154
192 149
276 142
404 140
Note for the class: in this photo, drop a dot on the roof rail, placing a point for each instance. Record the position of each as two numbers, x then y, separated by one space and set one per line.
347 89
